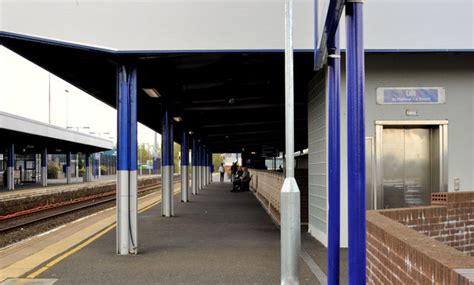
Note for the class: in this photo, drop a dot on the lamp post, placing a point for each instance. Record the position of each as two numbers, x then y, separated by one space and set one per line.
67 107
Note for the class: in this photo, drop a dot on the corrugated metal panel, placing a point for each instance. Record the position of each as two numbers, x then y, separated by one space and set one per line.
317 162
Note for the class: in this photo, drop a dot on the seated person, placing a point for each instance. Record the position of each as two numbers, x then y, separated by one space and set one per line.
242 181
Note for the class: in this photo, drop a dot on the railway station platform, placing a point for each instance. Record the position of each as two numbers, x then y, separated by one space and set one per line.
59 186
219 237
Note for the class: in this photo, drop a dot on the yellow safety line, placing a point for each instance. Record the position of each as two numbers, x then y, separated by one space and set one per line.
68 253
82 245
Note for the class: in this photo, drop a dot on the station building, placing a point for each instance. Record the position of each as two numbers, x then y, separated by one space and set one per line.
225 61
27 146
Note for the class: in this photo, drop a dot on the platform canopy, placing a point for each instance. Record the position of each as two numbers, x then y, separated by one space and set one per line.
230 100
31 136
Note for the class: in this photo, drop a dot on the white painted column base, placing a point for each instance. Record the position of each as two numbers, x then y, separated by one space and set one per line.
202 177
68 174
11 178
123 206
199 178
194 182
184 183
166 191
44 176
133 212
89 173
290 231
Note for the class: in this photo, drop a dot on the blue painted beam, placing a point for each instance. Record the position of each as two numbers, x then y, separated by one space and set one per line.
330 26
184 148
356 143
334 196
167 140
195 153
44 158
11 156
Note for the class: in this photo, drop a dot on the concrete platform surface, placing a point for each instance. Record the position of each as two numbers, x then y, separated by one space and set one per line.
218 238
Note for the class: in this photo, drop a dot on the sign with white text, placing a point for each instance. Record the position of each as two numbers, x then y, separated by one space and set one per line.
411 95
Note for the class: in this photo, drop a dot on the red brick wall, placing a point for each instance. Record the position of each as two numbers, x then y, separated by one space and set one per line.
423 245
451 221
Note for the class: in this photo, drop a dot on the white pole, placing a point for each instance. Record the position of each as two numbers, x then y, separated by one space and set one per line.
290 194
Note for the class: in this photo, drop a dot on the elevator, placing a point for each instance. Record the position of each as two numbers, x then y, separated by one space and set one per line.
411 162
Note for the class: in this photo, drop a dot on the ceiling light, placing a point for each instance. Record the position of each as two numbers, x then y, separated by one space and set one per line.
178 119
152 92
253 152
191 132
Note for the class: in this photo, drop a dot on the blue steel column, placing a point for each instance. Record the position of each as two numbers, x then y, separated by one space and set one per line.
199 167
195 172
208 170
11 167
203 167
356 142
68 167
126 160
184 166
334 81
44 168
209 163
87 174
167 165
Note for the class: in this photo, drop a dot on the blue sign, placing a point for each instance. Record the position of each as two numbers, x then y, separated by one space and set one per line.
430 95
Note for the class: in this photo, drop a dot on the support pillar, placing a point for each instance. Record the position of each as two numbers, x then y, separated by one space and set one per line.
334 158
155 155
184 167
199 167
208 167
127 202
167 165
356 142
88 173
44 168
195 171
290 227
68 168
203 167
11 167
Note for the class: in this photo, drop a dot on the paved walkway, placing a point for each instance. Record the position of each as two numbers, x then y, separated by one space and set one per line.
218 238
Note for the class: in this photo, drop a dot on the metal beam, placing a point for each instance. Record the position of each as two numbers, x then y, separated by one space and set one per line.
184 166
356 142
334 81
167 164
127 200
195 162
290 220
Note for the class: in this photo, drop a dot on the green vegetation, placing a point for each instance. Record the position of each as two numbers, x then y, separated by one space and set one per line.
177 158
53 169
216 161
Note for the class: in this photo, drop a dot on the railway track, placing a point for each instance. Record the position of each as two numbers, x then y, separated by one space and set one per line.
14 222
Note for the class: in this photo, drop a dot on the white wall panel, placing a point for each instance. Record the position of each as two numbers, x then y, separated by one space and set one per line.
317 158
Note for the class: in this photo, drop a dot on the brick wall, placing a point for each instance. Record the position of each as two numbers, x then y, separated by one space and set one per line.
423 245
450 220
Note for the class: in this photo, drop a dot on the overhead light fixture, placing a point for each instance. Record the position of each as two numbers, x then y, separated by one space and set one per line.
178 119
191 132
152 92
253 152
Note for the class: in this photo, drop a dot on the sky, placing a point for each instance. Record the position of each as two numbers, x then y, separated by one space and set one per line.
25 89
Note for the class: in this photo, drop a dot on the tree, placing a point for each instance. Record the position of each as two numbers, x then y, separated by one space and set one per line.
217 160
177 158
144 153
